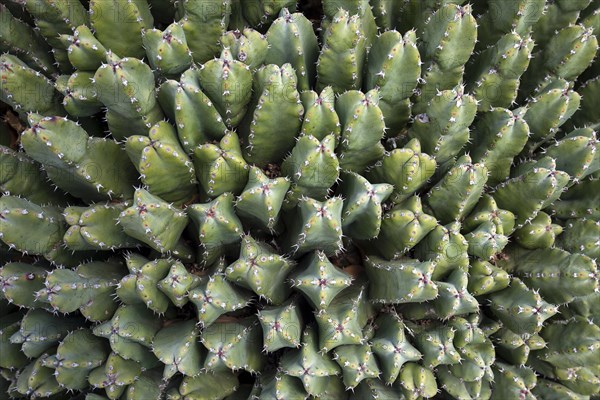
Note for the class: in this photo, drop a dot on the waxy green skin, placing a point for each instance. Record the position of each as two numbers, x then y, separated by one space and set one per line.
343 321
261 270
154 222
443 130
91 168
53 19
261 201
203 23
163 165
520 309
361 216
498 137
312 167
560 279
85 52
126 87
90 288
402 228
113 21
291 237
577 153
417 381
273 118
21 40
502 18
221 383
178 347
446 247
228 83
247 45
221 168
320 116
319 280
216 296
400 281
360 143
534 186
20 282
581 235
453 299
516 348
394 68
392 347
130 333
457 193
318 372
316 225
415 168
142 285
95 228
344 43
218 227
567 55
449 36
292 40
236 350
495 76
80 98
281 326
30 228
167 50
27 90
22 176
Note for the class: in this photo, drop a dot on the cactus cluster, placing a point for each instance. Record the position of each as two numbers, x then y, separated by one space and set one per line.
280 199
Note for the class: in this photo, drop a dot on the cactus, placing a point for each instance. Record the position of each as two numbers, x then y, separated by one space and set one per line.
46 226
262 270
215 296
403 227
344 43
268 129
360 145
415 169
94 228
130 333
443 130
154 222
248 46
559 270
292 40
581 235
282 199
80 97
313 168
27 90
317 371
217 225
401 281
392 347
126 87
181 352
394 68
261 200
221 168
167 50
319 280
85 52
520 309
446 247
87 167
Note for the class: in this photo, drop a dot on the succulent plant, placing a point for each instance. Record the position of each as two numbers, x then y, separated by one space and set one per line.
299 199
